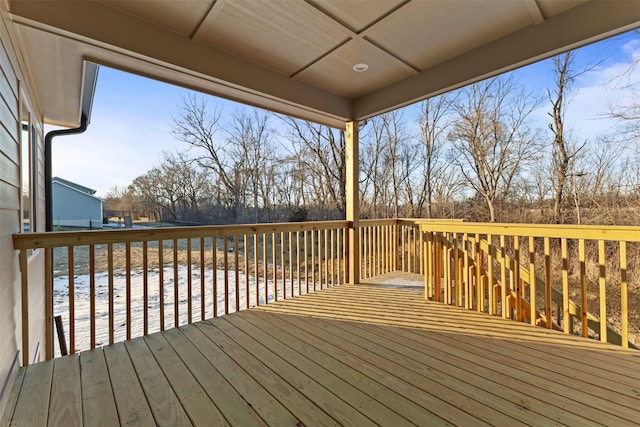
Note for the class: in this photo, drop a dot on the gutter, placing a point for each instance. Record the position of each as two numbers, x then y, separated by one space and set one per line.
48 184
88 90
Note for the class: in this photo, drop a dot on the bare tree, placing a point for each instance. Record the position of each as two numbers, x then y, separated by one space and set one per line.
196 125
374 181
628 113
321 151
175 190
491 139
250 146
564 77
434 120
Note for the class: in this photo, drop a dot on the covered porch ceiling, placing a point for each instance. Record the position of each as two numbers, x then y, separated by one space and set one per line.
297 57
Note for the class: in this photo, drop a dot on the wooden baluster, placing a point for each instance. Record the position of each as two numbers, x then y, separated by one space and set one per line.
214 273
306 262
265 267
333 261
298 259
493 307
365 254
72 302
516 277
547 283
313 259
256 266
583 288
428 278
145 287
395 247
438 267
603 290
402 247
624 301
291 266
326 258
378 249
202 281
247 287
274 261
92 296
421 269
363 251
385 248
161 282
189 285
467 267
414 251
567 323
225 257
478 285
532 280
236 260
503 279
176 288
283 262
455 290
127 257
110 280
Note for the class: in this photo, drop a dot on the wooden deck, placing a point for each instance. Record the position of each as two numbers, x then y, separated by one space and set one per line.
351 355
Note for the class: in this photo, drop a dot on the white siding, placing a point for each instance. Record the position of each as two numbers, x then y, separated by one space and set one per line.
10 223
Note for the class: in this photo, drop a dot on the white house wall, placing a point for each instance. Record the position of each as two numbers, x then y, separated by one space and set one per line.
11 91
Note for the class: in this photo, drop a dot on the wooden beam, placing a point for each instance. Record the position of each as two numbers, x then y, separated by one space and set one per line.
353 202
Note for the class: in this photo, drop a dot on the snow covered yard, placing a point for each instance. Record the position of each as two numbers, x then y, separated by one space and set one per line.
256 294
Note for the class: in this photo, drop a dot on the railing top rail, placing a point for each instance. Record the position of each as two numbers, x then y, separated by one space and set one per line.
587 232
94 237
370 222
418 221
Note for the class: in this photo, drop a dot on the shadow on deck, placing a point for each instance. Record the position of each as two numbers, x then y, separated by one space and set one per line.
351 355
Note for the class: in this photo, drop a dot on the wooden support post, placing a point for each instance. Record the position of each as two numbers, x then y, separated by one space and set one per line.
352 200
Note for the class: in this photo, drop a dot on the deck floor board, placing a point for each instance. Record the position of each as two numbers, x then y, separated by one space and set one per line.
349 355
98 401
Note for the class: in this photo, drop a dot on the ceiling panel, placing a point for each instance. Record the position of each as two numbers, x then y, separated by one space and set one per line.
181 16
357 15
335 71
297 56
551 8
425 33
285 36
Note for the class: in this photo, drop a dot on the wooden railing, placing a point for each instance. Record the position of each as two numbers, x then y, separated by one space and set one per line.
114 285
547 275
379 248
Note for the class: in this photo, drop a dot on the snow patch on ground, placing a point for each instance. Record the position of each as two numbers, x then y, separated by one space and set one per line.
256 294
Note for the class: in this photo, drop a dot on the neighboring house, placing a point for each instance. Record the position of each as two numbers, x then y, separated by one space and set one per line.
75 206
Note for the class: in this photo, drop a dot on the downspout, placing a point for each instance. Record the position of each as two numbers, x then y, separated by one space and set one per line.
48 184
90 78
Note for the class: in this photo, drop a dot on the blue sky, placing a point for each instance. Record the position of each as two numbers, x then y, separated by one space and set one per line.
131 119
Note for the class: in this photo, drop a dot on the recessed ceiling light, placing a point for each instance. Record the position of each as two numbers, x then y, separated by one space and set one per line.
362 67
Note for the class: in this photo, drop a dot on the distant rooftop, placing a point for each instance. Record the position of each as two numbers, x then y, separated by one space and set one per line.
73 185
